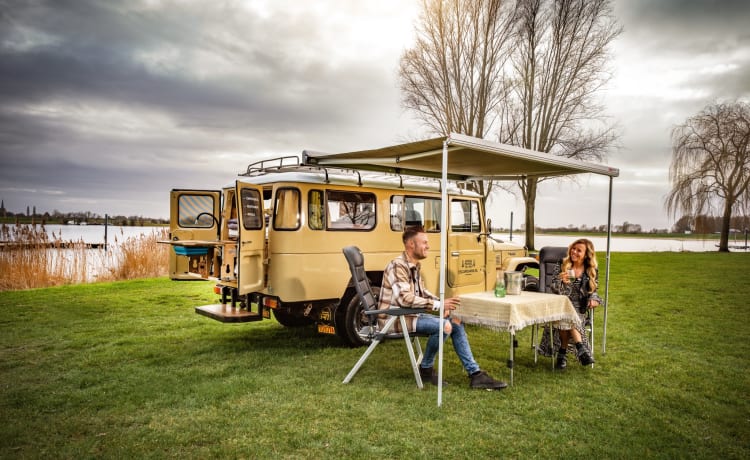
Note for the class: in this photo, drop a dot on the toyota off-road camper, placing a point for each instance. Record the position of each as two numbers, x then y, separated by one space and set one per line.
272 240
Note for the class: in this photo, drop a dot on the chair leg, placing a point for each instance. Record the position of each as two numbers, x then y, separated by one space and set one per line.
410 350
370 349
418 346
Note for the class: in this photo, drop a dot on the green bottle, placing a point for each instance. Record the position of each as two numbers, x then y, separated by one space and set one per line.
500 285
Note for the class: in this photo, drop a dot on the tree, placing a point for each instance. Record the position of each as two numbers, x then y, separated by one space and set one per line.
453 76
527 70
710 168
560 63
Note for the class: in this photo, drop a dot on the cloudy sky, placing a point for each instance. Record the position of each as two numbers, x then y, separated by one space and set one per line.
107 105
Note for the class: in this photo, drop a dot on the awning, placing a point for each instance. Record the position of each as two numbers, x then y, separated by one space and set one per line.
468 158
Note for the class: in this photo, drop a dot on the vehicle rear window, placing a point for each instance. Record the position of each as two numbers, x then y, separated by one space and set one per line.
191 206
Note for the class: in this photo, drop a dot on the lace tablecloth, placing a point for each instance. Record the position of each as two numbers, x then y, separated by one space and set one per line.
514 312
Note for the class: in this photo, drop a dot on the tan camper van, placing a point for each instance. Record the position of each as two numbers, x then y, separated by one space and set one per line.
273 241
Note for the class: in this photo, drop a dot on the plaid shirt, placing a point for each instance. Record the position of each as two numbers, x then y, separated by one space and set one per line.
403 287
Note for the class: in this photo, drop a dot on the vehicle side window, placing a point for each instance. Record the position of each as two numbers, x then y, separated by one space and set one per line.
191 206
252 214
410 211
350 210
286 209
465 216
316 210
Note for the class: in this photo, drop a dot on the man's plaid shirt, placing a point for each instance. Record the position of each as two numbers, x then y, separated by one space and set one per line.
403 287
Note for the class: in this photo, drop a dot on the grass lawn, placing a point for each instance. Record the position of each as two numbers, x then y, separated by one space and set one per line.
127 370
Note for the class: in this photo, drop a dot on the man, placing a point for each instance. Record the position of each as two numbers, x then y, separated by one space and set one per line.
402 287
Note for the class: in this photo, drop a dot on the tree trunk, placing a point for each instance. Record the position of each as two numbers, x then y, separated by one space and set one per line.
529 198
726 221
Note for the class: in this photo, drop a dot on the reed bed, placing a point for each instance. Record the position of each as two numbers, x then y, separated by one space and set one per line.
30 258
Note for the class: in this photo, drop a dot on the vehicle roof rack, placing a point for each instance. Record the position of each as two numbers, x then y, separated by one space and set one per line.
272 165
292 163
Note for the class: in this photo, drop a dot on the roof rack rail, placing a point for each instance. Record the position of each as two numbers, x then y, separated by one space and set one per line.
292 163
271 165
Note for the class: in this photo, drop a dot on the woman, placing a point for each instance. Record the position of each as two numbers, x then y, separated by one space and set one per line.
576 277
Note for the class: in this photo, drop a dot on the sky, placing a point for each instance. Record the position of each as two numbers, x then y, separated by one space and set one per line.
105 106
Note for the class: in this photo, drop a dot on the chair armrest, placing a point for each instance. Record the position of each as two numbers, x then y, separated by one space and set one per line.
396 311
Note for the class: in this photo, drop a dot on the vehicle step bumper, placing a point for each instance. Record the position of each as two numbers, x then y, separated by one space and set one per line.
228 314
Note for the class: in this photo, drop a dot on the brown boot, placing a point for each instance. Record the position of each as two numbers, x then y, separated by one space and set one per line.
429 374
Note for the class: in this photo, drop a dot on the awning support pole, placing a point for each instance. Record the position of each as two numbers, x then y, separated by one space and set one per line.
443 261
606 276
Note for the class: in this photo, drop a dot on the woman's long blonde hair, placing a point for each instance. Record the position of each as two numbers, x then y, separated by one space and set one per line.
589 261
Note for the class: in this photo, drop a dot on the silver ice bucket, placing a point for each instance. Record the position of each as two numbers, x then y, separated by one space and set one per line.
513 282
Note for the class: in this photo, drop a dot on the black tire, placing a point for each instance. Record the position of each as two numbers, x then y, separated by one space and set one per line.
287 318
352 325
531 283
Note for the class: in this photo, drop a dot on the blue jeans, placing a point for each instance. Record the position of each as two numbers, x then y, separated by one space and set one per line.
431 324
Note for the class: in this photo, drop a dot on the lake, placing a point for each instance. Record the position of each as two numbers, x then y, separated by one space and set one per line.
632 244
95 234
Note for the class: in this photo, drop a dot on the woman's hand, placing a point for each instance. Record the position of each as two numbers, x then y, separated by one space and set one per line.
593 303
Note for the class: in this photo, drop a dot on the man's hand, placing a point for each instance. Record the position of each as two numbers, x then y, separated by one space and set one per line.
450 304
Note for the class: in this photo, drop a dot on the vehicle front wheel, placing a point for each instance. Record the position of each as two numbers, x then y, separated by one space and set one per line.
530 283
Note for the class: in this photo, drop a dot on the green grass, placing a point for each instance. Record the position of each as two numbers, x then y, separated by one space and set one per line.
127 370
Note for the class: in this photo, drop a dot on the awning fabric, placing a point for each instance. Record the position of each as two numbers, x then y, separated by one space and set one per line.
469 158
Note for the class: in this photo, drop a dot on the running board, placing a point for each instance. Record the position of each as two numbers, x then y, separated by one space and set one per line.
228 314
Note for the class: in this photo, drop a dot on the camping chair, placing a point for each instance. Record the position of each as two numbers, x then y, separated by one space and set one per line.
549 257
370 304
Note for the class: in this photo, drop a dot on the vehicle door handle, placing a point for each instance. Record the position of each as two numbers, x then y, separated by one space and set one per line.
247 242
455 253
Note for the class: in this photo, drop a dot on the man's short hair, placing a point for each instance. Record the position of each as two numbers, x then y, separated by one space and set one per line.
411 231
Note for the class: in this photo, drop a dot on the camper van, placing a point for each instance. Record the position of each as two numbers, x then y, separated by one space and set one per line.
272 240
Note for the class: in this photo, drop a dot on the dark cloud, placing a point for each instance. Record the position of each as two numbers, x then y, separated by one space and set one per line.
686 26
91 90
106 105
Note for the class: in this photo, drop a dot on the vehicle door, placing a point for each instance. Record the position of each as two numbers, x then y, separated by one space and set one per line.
252 238
466 252
193 220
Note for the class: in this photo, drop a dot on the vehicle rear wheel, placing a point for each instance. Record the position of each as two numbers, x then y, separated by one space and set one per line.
352 325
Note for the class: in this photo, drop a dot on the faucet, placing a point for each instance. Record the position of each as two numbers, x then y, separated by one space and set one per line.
216 221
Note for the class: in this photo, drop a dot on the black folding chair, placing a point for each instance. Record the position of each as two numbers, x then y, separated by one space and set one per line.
549 257
370 305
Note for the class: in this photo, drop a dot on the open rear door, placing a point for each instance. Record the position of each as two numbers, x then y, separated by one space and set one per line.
193 232
252 238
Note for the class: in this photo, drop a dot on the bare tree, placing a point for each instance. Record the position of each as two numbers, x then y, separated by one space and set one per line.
710 168
526 69
560 61
453 76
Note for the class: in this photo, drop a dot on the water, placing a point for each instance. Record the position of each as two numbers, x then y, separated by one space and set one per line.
627 244
95 234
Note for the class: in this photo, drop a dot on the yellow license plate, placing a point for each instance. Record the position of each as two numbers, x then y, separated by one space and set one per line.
326 329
